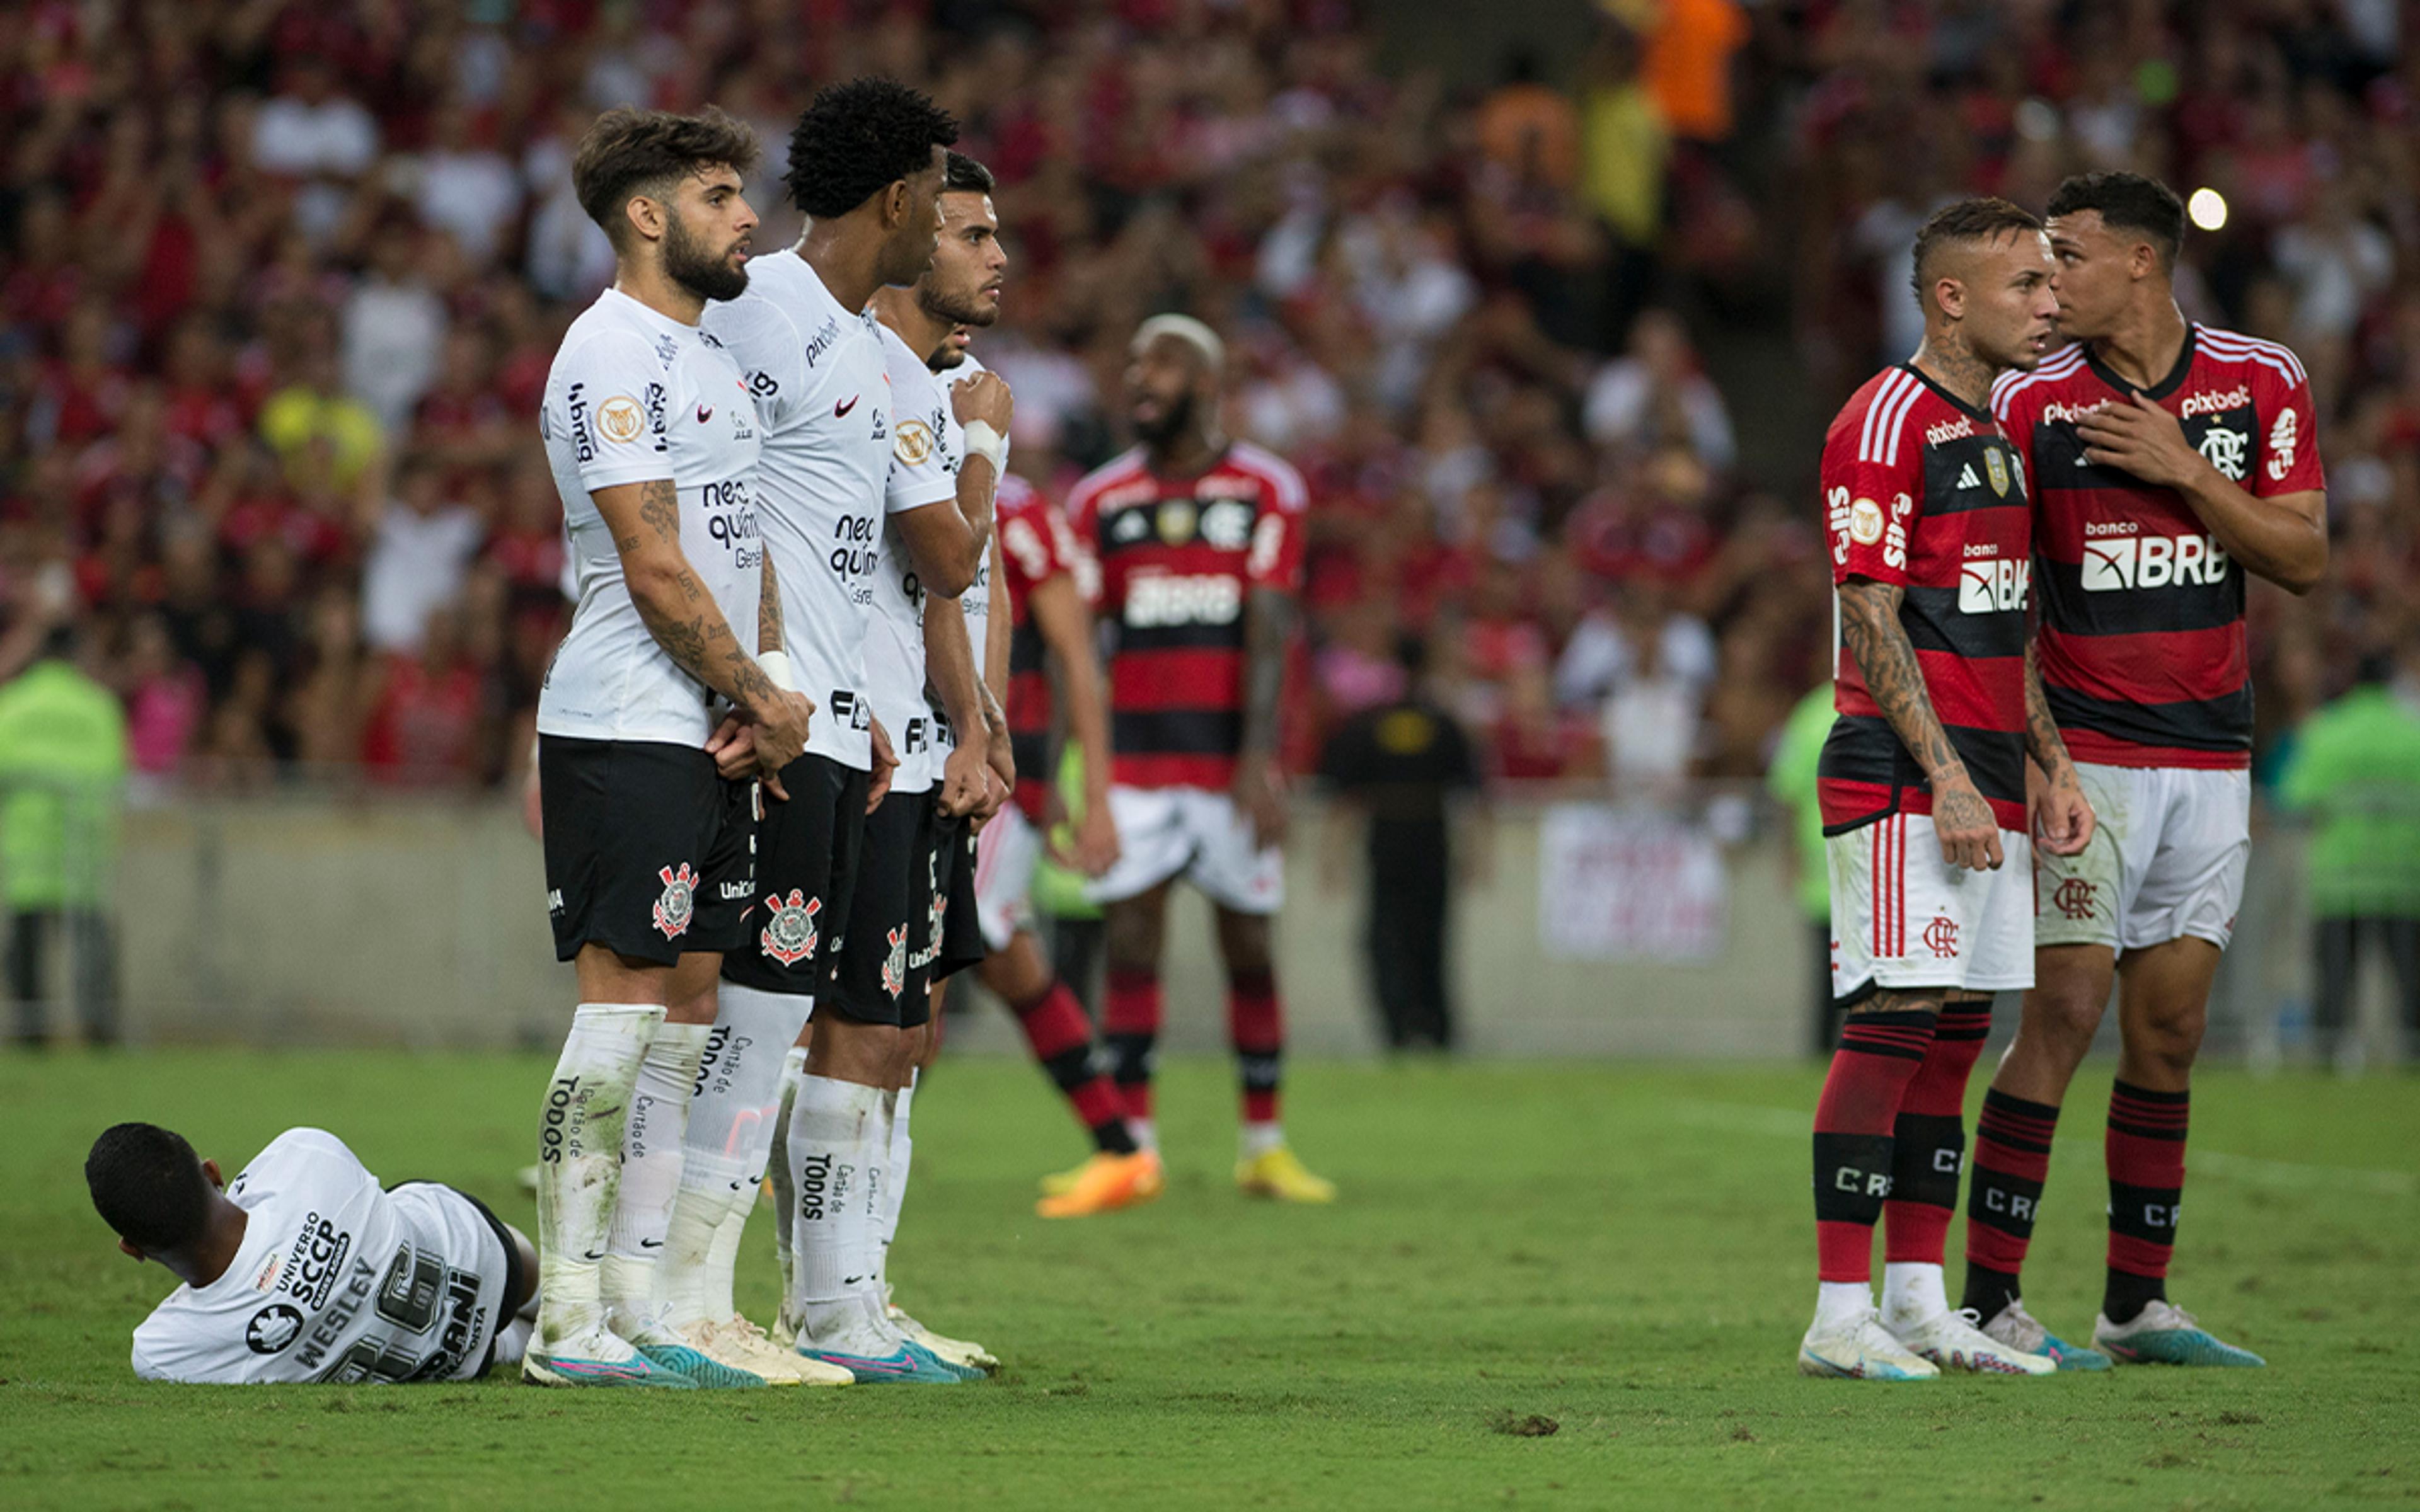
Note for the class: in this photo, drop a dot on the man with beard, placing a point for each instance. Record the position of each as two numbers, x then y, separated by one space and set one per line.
1032 582
856 517
654 447
1922 783
1199 543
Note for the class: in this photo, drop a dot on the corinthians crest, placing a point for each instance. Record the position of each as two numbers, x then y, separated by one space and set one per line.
895 966
789 933
680 902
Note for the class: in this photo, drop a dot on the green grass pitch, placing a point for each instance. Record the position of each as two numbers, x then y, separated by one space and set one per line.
1622 1253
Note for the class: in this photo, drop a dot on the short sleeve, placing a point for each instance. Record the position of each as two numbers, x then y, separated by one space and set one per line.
2290 441
763 342
919 472
1871 498
1029 548
612 400
1276 558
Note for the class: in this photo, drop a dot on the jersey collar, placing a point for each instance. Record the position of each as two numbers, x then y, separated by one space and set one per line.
2167 386
1971 411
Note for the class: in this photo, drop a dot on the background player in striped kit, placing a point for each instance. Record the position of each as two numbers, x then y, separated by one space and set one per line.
1922 783
1199 543
2168 459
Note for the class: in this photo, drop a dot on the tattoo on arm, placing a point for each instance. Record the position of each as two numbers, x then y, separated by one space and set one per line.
2042 740
768 610
1268 624
1869 622
659 508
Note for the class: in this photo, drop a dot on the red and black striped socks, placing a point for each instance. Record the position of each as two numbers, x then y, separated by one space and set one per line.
1879 1054
2146 1152
2011 1160
1256 1028
1061 1040
1929 1140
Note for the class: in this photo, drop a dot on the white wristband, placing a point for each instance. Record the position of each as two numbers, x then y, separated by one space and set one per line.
989 444
777 667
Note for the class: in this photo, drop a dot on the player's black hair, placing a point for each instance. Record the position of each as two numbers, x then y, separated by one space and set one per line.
631 152
965 175
2128 202
1984 219
859 137
147 1184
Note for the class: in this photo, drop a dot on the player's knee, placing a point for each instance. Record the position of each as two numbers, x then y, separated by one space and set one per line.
2168 1037
2063 1017
1243 944
1131 940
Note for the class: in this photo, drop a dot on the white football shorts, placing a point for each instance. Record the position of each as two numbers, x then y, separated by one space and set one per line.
1903 918
2165 861
1197 834
1006 853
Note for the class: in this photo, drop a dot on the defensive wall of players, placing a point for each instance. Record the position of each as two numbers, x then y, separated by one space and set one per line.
315 920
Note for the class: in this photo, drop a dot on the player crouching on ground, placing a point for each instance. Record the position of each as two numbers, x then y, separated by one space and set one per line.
1922 783
304 1270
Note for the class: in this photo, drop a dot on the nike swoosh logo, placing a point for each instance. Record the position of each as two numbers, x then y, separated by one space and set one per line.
704 413
593 1254
651 1243
840 409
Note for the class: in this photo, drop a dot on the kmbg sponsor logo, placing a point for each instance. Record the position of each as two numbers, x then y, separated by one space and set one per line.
2154 562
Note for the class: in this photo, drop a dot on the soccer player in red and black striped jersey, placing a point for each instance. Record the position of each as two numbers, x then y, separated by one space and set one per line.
2169 461
1043 574
1922 783
1198 539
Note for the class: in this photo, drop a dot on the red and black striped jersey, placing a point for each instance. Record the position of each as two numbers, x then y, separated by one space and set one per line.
1922 491
1178 556
2142 653
1035 547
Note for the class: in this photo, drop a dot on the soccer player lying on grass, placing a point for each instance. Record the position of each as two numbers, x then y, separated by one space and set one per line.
304 1270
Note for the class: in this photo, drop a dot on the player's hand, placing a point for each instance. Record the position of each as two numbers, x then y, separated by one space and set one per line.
733 746
962 781
1001 754
780 718
995 798
2138 437
1259 792
1962 821
1096 839
983 396
886 766
2063 818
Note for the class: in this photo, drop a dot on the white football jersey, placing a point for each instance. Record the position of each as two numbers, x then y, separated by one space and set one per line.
635 395
823 397
976 601
894 649
335 1281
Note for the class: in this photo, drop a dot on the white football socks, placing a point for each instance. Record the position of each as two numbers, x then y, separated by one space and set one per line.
731 1127
1842 1301
580 1163
1913 1294
894 1179
836 1157
1258 1139
652 1158
794 1070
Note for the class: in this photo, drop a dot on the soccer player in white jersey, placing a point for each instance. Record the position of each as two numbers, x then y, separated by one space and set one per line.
653 443
964 425
865 166
306 1270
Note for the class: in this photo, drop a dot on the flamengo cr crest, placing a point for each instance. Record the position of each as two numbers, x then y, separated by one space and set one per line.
1941 936
680 902
789 933
2073 898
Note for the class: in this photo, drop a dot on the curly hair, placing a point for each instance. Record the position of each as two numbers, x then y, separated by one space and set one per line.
633 152
147 1184
857 138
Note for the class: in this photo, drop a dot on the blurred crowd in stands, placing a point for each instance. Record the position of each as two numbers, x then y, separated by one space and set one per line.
279 281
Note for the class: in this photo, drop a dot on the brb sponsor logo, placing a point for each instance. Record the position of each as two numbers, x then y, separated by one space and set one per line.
1159 600
1989 583
2116 562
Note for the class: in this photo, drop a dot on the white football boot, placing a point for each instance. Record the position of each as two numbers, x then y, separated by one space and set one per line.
1955 1340
1858 1347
